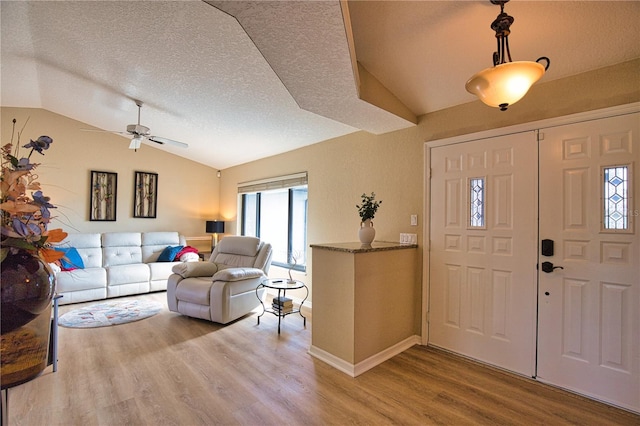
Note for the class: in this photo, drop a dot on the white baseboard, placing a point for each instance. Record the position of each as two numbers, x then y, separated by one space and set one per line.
355 370
332 360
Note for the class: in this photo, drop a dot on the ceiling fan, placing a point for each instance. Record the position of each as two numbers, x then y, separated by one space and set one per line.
140 132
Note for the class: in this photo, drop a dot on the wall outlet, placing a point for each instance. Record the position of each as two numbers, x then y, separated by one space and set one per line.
414 220
408 238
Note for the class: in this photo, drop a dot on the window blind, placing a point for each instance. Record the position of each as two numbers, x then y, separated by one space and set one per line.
279 182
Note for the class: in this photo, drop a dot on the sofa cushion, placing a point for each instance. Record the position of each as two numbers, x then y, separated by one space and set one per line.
81 241
121 248
238 251
194 290
161 270
195 269
114 256
121 239
128 274
237 274
263 259
239 245
154 242
81 279
89 247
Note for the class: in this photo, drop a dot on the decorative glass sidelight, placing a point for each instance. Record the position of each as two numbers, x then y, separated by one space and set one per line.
616 198
476 203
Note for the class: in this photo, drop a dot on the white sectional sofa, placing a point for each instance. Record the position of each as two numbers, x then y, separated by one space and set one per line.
116 264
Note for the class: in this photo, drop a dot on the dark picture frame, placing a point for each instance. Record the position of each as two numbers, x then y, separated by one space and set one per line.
103 196
145 195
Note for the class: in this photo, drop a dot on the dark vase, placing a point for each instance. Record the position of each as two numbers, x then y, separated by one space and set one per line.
27 287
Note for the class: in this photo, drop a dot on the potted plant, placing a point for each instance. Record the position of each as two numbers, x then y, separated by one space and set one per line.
367 211
27 281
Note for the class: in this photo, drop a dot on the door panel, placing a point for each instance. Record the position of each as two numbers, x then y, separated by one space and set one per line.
589 311
483 275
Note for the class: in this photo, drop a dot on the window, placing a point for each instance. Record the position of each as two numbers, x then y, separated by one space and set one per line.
476 203
275 210
615 198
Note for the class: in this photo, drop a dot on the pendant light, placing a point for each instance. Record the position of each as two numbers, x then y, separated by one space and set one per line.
506 82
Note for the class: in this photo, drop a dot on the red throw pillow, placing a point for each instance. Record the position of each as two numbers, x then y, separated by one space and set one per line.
186 249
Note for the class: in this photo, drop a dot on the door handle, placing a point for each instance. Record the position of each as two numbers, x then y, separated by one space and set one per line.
548 267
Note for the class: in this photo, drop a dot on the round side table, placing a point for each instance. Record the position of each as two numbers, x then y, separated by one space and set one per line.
282 285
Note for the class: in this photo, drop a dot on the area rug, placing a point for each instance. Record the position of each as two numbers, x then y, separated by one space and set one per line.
108 313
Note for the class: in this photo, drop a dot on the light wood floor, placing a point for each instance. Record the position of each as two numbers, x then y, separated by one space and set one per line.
173 370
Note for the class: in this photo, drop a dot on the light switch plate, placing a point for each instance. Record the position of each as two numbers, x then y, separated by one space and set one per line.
408 238
414 220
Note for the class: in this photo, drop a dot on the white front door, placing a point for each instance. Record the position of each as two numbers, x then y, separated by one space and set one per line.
589 311
483 231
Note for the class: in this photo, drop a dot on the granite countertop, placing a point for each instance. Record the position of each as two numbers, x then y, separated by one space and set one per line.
364 248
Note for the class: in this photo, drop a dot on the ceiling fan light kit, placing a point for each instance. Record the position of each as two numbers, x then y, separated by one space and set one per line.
136 141
506 82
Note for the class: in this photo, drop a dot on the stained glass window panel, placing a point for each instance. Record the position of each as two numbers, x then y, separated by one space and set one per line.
616 197
476 203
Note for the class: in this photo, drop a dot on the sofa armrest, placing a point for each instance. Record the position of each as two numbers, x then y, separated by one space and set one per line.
195 269
238 274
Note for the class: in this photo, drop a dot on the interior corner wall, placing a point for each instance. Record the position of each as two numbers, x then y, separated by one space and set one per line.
339 171
187 191
391 165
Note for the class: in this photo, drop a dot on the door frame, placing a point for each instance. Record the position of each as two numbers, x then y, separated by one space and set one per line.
503 131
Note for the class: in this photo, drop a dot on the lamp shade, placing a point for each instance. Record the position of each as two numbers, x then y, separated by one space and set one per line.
215 227
505 84
135 142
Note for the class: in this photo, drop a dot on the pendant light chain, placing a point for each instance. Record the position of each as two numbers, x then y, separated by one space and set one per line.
502 26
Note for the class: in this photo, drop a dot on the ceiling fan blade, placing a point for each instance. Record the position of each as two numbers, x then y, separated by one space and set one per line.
163 141
103 131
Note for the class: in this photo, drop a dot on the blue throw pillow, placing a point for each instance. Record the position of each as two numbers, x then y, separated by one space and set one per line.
169 253
71 259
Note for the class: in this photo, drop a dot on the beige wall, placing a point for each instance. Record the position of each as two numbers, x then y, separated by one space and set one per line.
339 170
391 164
187 191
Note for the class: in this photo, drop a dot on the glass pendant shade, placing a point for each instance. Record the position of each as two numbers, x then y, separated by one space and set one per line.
135 142
505 84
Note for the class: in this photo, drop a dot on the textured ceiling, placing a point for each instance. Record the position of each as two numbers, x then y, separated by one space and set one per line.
306 45
239 81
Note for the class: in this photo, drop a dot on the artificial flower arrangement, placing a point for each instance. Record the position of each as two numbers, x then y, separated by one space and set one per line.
369 206
25 218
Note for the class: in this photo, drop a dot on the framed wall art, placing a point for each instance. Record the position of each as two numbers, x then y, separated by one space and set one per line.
104 187
145 195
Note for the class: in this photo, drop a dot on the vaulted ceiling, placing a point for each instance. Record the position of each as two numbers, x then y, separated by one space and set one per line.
240 80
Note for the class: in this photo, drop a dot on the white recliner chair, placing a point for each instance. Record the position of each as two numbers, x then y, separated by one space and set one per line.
224 288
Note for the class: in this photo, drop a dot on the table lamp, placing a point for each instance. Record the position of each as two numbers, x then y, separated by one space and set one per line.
215 227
